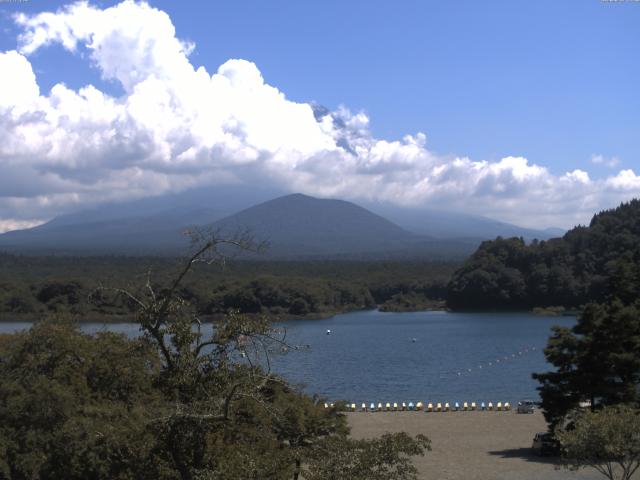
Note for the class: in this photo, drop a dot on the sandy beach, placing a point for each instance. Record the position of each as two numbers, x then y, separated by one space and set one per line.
472 445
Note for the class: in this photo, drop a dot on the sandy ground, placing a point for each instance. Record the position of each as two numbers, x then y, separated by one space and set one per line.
472 445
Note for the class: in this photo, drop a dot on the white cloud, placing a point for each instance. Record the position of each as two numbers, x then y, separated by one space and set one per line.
578 176
598 159
625 180
177 126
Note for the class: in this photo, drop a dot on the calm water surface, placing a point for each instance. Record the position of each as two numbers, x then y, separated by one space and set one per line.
429 356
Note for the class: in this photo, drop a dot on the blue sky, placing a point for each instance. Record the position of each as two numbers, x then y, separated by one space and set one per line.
555 82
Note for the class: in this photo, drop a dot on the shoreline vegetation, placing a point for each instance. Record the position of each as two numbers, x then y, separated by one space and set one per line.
112 319
86 287
436 306
595 263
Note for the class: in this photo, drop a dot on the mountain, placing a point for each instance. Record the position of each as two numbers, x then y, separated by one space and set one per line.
152 225
299 225
295 225
159 233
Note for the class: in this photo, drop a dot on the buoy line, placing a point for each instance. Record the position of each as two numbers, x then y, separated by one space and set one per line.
497 361
428 407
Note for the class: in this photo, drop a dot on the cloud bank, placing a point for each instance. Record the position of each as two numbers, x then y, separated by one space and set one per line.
178 126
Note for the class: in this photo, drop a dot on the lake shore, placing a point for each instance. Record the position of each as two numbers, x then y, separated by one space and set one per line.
131 318
471 445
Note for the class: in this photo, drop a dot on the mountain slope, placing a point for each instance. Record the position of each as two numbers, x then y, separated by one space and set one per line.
147 226
297 224
441 224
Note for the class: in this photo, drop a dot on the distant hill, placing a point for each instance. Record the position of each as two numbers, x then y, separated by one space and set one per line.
593 263
441 224
152 225
161 233
296 226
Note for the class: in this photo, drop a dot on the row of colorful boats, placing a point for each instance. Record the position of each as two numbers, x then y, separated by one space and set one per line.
428 407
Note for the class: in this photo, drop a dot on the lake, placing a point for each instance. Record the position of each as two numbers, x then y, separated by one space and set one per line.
374 356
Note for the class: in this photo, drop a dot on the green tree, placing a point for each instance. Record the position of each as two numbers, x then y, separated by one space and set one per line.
75 406
607 440
384 458
232 418
597 361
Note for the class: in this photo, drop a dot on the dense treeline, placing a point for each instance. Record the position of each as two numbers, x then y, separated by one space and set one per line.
33 286
588 264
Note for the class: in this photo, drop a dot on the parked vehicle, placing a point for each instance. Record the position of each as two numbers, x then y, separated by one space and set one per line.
545 444
526 406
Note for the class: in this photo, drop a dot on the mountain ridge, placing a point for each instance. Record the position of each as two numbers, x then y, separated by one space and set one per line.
297 225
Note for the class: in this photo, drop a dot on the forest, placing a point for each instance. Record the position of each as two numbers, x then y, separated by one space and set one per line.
593 263
33 286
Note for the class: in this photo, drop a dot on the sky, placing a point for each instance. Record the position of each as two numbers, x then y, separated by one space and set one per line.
523 111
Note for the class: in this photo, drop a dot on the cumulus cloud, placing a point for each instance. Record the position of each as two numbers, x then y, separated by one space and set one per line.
178 126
